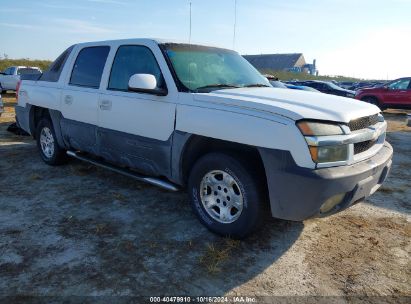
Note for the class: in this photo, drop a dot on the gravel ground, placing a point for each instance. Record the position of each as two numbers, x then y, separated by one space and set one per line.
81 230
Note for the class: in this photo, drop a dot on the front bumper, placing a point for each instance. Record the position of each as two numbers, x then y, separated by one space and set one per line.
298 193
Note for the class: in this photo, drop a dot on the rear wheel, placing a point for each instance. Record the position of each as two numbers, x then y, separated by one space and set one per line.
1 89
226 195
50 151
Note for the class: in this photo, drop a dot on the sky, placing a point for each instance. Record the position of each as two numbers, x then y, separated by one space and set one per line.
360 38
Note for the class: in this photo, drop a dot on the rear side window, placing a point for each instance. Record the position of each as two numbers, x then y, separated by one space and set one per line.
25 71
89 66
54 71
130 60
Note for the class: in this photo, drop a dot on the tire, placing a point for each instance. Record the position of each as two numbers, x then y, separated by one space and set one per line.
1 90
225 195
50 151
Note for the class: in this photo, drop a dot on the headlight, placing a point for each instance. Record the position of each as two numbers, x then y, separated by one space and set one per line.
328 154
350 95
323 154
311 128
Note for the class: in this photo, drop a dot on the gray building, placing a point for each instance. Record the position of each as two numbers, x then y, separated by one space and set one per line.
282 62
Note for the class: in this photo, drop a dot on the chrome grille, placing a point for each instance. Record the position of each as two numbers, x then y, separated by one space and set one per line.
363 146
363 122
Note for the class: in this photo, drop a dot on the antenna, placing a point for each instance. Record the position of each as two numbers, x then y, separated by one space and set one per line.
235 22
189 35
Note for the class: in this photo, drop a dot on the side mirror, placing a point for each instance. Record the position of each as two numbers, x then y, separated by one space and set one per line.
145 83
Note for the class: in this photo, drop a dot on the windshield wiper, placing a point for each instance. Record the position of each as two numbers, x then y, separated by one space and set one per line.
256 85
217 85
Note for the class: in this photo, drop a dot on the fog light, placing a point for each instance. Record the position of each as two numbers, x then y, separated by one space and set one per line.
331 202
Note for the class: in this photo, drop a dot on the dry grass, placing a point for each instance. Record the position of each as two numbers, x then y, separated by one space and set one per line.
102 229
216 254
82 170
120 197
34 177
6 62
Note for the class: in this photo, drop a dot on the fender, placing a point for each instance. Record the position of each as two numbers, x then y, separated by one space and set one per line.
56 117
270 132
27 120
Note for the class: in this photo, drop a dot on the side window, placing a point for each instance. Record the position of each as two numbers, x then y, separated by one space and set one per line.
130 60
7 71
401 84
89 65
54 71
316 85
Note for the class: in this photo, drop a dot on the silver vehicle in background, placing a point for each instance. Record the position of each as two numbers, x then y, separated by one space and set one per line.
12 75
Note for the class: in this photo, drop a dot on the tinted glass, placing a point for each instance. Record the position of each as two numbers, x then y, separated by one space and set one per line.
333 86
24 71
130 60
401 84
53 72
89 65
314 85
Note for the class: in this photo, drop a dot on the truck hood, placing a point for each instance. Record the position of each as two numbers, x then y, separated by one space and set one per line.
293 104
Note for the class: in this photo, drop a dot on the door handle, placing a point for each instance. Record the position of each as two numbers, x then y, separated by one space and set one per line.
105 105
68 99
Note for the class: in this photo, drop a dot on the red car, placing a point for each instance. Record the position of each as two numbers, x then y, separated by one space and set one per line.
394 94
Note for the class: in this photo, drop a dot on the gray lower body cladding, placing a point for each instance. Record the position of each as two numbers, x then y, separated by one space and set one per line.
23 118
297 193
146 155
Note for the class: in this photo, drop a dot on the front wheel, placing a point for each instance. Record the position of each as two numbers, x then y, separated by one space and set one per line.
225 195
50 151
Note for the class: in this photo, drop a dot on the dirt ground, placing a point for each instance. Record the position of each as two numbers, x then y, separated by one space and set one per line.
82 230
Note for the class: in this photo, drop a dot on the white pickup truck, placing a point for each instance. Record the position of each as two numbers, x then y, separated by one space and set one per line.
188 116
10 77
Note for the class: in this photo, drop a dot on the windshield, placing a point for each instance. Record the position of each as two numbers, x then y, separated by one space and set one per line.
203 69
334 86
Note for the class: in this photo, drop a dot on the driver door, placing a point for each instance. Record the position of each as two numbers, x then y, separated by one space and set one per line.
135 129
398 92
